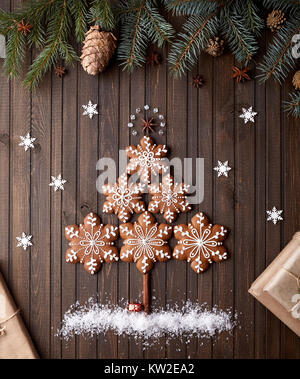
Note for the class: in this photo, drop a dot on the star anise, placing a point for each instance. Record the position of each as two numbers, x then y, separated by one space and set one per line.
240 74
197 81
148 125
154 58
24 27
60 71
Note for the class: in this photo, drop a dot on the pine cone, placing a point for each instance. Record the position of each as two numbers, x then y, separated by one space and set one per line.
296 80
215 47
98 48
275 19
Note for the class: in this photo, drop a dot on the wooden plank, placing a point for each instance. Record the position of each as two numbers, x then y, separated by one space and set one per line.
40 217
176 142
19 266
156 90
260 203
87 193
244 170
108 148
200 138
70 160
273 198
5 110
290 347
123 269
223 273
56 214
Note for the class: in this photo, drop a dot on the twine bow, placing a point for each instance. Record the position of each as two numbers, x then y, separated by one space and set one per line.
2 328
295 310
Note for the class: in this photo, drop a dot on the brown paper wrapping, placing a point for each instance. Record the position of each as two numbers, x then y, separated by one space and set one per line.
15 343
275 287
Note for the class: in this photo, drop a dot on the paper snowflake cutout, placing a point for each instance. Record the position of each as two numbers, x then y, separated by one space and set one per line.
91 243
274 215
57 182
200 243
248 115
145 242
24 241
146 159
27 142
90 109
222 169
123 198
169 198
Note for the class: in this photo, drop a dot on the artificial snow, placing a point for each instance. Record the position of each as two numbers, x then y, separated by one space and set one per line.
192 320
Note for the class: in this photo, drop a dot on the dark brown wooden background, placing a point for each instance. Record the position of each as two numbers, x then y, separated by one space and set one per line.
200 123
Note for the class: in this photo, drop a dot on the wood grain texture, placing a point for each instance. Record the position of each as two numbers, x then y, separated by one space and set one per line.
201 123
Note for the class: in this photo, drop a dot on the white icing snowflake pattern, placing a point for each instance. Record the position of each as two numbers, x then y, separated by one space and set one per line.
274 215
222 169
91 243
57 182
27 142
123 198
24 241
90 109
169 198
145 242
146 159
248 115
200 243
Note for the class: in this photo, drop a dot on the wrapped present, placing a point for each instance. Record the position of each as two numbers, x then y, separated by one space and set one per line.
15 342
278 287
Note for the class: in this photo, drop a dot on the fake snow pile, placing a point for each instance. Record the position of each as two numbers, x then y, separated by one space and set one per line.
192 320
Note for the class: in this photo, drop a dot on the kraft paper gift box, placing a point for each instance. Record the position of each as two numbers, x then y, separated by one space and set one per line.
15 342
277 288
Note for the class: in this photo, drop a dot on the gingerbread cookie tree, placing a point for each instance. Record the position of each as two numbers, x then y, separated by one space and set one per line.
91 243
200 243
145 242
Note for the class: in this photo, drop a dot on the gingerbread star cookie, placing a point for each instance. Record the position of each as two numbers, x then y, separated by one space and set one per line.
146 159
200 243
169 198
91 243
145 241
123 198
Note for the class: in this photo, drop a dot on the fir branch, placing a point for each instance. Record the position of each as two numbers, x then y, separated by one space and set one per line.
194 39
241 41
191 7
293 105
59 25
101 13
132 48
251 14
284 5
15 53
279 60
78 9
159 31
